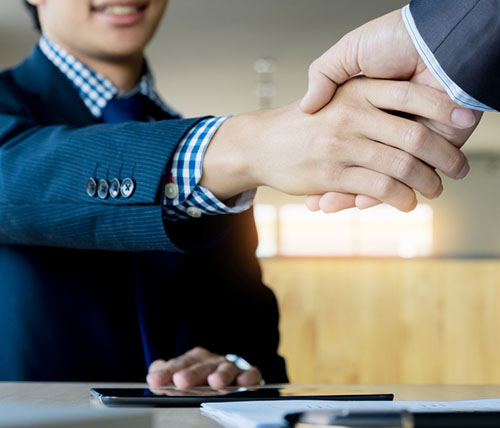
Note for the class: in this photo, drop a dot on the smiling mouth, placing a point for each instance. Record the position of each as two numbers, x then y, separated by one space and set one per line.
120 9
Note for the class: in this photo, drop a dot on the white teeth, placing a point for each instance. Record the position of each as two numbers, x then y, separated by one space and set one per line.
121 10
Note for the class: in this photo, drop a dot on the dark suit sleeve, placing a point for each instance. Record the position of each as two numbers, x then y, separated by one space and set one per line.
464 36
43 175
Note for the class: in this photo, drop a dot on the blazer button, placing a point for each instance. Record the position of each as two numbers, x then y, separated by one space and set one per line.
128 187
194 212
91 187
102 189
114 188
171 190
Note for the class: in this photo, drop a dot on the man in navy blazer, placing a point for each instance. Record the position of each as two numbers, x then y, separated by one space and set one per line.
93 288
118 254
451 45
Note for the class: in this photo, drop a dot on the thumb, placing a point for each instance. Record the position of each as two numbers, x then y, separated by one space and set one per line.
319 93
329 71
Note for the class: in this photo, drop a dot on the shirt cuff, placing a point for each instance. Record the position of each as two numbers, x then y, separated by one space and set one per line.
457 94
184 197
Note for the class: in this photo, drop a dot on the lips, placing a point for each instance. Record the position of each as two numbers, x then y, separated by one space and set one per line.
121 12
120 7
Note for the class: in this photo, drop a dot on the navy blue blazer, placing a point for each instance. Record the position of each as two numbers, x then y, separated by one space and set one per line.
464 36
77 273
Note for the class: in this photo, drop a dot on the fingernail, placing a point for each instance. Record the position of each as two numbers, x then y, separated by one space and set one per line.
463 118
464 172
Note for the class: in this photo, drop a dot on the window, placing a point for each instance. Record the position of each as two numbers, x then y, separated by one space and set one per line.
292 230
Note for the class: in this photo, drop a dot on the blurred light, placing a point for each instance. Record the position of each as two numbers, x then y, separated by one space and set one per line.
266 219
292 230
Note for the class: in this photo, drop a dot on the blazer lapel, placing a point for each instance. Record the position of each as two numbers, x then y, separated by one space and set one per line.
57 100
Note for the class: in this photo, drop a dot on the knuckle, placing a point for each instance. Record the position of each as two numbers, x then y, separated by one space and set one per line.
197 350
442 104
455 163
225 376
157 365
173 362
405 166
314 67
415 138
329 174
400 93
343 115
370 154
385 186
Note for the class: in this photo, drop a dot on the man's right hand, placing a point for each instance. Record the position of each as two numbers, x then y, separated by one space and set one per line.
353 145
381 48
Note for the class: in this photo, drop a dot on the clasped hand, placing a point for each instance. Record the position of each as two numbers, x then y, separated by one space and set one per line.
381 48
353 141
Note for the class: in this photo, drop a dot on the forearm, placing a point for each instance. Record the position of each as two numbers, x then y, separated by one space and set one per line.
43 195
335 149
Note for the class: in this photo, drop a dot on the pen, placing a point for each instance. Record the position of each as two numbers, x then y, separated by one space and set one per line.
392 419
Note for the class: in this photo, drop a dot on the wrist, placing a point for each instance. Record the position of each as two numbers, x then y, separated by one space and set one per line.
228 162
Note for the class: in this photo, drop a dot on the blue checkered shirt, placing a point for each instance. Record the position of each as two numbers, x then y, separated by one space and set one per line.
96 91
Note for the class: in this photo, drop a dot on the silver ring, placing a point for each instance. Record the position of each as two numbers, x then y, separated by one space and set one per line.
241 363
238 361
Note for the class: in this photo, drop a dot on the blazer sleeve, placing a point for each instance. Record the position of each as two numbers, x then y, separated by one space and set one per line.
464 38
43 176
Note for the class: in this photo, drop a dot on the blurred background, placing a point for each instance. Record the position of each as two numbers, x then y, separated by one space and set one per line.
366 297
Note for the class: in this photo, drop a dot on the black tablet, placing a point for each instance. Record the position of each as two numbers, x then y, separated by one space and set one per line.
193 397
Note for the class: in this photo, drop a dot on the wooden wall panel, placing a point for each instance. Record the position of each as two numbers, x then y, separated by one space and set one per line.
388 321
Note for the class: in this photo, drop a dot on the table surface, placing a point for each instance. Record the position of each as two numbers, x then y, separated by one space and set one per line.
79 394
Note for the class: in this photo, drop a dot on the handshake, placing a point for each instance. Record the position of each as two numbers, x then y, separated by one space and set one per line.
374 127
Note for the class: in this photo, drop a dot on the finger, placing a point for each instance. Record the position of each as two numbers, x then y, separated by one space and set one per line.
332 202
312 202
358 180
319 93
417 140
363 202
419 100
161 372
249 377
398 164
196 374
328 71
156 365
224 375
456 136
158 374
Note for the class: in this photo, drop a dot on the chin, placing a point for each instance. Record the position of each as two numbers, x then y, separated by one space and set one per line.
116 47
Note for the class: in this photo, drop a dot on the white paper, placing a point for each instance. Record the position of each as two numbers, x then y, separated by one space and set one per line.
269 414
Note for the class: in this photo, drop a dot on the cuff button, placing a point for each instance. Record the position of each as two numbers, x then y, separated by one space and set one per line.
194 212
128 187
102 189
171 190
114 188
91 187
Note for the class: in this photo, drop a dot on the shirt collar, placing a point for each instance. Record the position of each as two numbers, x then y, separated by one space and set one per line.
96 90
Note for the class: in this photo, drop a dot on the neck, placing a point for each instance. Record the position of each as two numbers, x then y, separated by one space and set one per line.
124 72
